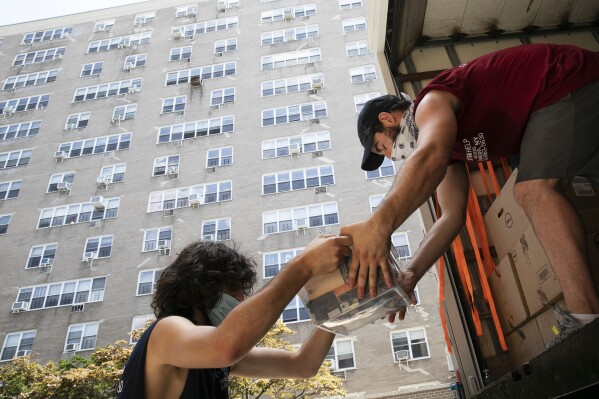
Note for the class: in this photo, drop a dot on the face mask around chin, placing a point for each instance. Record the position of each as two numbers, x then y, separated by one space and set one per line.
226 304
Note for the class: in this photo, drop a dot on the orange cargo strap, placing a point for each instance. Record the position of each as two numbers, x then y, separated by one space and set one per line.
493 178
441 274
506 169
483 175
483 280
458 251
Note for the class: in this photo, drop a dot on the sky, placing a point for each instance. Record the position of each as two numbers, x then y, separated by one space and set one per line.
32 10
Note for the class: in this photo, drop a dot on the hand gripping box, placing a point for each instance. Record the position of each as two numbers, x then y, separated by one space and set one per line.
334 306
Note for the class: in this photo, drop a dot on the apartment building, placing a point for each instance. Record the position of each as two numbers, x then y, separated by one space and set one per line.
127 133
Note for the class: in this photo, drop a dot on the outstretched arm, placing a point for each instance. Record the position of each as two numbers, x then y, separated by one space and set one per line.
175 341
416 181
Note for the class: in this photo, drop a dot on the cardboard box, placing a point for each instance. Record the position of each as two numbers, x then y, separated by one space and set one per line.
524 344
508 295
534 271
505 219
582 193
548 322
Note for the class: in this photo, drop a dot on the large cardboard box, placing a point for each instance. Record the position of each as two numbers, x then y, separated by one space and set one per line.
582 193
548 322
508 295
505 219
536 276
524 344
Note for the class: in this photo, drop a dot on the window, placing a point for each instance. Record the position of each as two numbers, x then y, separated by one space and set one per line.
187 11
153 238
292 85
67 177
413 341
189 31
144 19
81 337
361 99
310 142
216 230
9 107
77 121
354 24
121 42
166 165
297 179
17 344
31 79
294 113
362 74
222 96
104 26
124 112
134 61
4 222
341 355
356 48
41 254
179 197
275 261
64 293
302 217
93 69
10 189
205 72
349 4
79 213
174 105
225 45
386 169
291 58
19 130
375 201
96 145
107 90
402 245
37 57
98 247
289 13
231 3
194 129
219 157
288 35
46 35
180 54
295 311
114 173
146 281
14 159
139 322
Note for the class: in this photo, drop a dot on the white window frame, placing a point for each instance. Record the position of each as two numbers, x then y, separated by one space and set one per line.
398 238
118 88
357 48
307 143
277 260
205 72
92 69
313 110
195 129
88 331
78 213
45 251
115 172
190 30
30 79
135 61
179 197
138 322
20 346
124 112
4 223
102 245
383 171
46 35
290 58
300 217
222 229
407 333
77 121
174 105
375 201
354 24
350 4
222 156
39 56
98 145
70 291
289 35
182 53
297 307
19 130
222 96
361 99
304 10
284 181
24 103
65 177
104 26
150 276
334 354
14 159
225 45
292 84
152 238
118 43
10 189
144 18
189 10
364 73
163 164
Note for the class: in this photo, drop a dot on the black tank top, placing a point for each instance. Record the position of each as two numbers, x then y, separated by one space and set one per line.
200 383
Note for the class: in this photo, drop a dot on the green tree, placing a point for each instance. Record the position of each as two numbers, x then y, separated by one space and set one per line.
323 384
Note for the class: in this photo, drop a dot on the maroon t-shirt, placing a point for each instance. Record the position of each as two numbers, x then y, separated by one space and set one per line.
499 91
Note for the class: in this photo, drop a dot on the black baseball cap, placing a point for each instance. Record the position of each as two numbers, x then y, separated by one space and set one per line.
368 119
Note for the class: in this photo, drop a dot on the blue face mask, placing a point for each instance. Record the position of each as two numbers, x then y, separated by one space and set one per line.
226 304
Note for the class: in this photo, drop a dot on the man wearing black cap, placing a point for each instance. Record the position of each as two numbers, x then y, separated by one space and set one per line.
540 101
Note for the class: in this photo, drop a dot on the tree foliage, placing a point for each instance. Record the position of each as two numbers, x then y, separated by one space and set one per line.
97 377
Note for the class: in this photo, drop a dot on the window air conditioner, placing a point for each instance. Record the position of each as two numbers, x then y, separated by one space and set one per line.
195 199
300 224
129 66
65 35
71 347
222 5
341 374
47 262
294 149
9 110
402 355
317 85
191 13
71 126
313 121
97 201
177 34
312 91
134 89
45 269
23 353
78 308
316 154
210 169
321 189
104 179
164 247
123 45
172 170
208 237
89 256
60 155
196 81
64 186
19 307
215 106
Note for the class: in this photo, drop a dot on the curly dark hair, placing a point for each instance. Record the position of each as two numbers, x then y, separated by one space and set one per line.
197 277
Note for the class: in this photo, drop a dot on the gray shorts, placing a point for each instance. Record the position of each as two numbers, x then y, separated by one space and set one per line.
562 140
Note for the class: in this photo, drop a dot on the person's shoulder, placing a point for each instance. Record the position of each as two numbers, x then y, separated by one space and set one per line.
170 322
